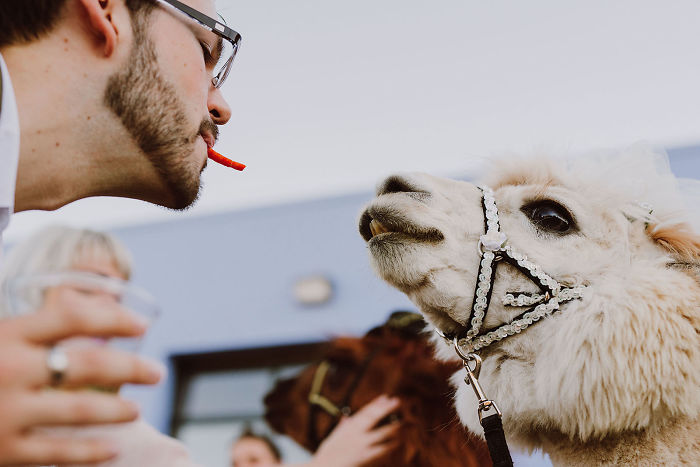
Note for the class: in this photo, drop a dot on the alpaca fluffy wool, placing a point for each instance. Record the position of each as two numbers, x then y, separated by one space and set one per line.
608 379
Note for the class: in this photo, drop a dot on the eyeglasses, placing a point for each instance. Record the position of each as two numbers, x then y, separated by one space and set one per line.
220 55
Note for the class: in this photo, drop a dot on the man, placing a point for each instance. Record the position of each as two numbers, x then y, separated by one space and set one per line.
99 97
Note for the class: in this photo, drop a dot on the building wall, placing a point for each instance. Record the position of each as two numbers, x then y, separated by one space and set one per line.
226 281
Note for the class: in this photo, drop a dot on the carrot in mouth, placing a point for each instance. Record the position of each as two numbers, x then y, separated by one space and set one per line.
225 161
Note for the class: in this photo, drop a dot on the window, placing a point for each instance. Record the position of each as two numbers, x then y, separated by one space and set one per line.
217 394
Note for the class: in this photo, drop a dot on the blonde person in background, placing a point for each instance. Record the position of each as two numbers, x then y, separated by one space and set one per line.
60 249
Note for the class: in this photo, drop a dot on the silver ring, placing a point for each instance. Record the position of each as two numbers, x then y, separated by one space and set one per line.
57 363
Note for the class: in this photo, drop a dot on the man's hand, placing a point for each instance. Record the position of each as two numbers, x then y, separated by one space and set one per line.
356 440
27 402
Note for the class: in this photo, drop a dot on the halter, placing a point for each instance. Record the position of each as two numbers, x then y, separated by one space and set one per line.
492 249
407 322
317 400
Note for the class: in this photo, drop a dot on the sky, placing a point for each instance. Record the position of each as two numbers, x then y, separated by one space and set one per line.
330 96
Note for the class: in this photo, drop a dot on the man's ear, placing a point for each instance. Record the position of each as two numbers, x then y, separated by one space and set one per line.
99 14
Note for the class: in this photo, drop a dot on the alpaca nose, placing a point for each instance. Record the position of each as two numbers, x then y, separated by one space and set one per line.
400 184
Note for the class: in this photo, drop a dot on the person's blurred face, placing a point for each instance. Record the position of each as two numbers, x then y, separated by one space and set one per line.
98 263
166 101
252 452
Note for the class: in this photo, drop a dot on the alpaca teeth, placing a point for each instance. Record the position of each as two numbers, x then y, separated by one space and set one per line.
377 228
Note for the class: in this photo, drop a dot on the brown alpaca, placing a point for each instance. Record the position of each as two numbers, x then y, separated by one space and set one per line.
394 359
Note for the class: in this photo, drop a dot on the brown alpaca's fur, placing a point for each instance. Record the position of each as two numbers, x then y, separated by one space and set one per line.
430 435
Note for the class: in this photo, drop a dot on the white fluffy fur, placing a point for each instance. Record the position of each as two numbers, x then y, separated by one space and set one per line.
610 379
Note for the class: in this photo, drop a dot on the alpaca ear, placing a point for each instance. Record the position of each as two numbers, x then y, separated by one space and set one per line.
679 240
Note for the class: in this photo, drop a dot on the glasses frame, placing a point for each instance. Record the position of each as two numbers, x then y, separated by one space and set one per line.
218 28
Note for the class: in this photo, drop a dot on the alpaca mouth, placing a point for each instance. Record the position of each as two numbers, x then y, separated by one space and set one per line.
377 224
377 228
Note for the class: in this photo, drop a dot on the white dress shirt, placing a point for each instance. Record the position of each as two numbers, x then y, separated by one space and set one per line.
9 148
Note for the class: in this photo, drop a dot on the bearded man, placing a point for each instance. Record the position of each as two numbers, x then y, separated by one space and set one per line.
97 98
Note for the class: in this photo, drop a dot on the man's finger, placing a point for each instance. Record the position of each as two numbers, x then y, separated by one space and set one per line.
48 450
383 433
58 407
94 365
104 366
79 315
370 414
379 450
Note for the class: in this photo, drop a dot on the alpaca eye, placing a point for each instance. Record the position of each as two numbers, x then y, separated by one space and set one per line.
549 215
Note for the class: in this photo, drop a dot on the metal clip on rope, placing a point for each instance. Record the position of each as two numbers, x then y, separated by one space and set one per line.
472 379
492 425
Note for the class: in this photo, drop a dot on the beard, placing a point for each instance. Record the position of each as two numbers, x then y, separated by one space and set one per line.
154 116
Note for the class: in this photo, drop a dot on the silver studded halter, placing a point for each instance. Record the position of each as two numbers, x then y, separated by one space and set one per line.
493 248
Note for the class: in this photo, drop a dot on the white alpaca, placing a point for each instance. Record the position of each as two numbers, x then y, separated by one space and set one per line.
611 377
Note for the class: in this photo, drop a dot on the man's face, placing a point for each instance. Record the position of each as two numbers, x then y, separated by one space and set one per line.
165 99
252 452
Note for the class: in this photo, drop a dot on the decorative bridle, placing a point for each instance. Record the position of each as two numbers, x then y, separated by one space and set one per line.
493 248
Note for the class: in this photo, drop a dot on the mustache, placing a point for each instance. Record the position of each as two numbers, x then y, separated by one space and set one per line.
209 127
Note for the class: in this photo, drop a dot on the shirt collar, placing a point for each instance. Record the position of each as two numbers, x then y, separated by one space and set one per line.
9 140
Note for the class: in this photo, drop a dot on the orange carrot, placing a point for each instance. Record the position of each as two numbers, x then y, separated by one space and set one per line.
216 157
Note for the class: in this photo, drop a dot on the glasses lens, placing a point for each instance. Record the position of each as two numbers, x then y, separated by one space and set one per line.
223 66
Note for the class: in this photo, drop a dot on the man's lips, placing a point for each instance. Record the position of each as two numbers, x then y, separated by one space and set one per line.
208 138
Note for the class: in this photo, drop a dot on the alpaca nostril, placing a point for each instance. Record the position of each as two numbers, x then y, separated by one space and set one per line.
398 184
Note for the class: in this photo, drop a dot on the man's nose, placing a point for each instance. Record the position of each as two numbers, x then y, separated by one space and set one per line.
218 107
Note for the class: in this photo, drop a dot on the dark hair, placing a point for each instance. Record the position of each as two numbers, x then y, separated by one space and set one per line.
250 434
28 20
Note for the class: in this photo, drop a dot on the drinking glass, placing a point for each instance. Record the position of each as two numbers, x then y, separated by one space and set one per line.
27 294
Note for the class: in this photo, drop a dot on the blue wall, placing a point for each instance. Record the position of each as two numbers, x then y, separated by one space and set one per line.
225 281
685 162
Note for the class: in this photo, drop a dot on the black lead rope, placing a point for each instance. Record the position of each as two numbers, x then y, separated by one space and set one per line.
492 424
496 441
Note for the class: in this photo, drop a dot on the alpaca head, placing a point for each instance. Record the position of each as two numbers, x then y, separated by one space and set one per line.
619 353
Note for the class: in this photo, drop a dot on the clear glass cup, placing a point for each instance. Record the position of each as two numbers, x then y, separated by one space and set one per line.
27 294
